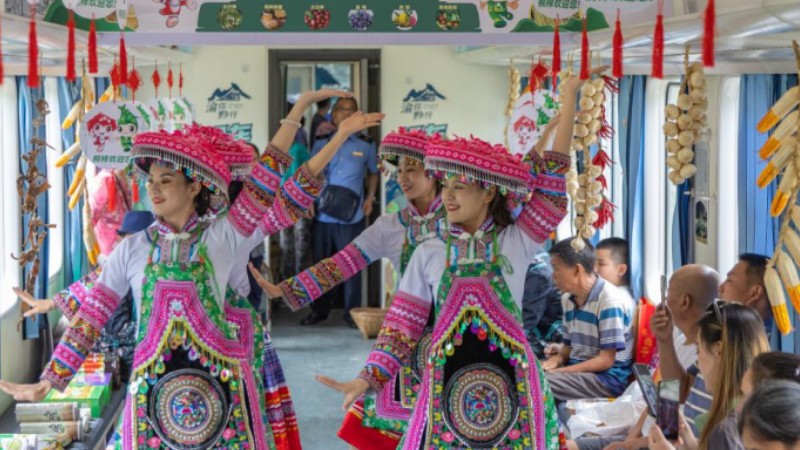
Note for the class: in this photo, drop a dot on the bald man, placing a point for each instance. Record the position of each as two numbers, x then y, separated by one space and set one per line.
691 290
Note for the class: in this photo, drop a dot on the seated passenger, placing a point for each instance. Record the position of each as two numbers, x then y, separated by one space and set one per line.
542 312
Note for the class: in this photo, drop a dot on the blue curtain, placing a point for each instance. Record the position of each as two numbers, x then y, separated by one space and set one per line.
26 110
682 232
630 133
758 231
76 263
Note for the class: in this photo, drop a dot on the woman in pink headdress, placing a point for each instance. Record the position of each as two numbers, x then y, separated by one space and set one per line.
482 386
192 349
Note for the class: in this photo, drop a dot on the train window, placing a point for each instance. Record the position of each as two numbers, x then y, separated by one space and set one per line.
9 204
55 195
660 195
727 170
671 231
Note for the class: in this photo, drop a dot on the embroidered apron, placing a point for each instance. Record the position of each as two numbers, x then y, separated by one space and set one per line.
193 384
482 386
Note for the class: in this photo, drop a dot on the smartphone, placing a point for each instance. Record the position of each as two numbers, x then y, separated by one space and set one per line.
648 387
668 405
663 292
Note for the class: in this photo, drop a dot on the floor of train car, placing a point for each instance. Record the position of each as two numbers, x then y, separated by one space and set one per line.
329 348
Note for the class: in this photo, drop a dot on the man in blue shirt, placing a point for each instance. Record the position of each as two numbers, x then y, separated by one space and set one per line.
356 161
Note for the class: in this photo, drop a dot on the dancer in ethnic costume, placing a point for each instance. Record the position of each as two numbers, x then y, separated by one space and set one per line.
378 422
482 385
193 384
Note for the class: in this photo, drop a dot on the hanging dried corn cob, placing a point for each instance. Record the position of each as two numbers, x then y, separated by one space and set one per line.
89 239
781 275
686 122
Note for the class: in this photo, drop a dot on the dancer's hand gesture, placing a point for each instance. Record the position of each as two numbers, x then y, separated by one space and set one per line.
272 290
351 389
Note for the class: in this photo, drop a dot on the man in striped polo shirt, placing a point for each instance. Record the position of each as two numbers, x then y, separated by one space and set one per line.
596 358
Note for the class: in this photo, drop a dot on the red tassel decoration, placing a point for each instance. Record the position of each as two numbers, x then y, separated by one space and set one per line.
33 52
156 77
115 75
584 53
71 75
556 66
135 190
111 187
134 79
709 28
616 65
123 60
539 72
658 44
180 82
170 79
92 44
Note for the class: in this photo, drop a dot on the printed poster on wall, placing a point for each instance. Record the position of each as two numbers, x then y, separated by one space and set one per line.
107 133
343 16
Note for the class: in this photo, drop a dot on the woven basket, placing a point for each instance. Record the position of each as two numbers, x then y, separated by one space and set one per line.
368 320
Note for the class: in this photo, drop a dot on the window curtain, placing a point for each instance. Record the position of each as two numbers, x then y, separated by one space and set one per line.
76 263
758 231
630 133
682 232
26 103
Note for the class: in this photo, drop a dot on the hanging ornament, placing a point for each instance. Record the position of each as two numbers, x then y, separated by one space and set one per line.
539 72
156 77
180 81
709 28
134 80
584 52
135 189
92 44
658 43
616 69
33 51
71 75
122 21
556 54
111 188
115 75
170 80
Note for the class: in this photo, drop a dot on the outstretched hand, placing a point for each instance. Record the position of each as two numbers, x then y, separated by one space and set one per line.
359 122
272 290
572 83
37 306
26 392
351 389
309 98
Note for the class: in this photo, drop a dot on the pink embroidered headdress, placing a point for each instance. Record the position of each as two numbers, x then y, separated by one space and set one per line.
195 158
403 143
236 153
478 161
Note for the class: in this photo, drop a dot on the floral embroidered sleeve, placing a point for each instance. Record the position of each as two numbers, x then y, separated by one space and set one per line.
305 287
84 328
259 191
548 203
69 300
295 199
402 327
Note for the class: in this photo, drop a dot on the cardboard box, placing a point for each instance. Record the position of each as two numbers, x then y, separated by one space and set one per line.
94 397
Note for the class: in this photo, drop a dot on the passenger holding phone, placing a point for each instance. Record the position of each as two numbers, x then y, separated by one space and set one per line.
730 336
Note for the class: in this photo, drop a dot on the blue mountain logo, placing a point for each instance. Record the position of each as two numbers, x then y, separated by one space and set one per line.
429 94
232 94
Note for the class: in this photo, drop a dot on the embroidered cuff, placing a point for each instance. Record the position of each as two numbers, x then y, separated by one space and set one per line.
249 208
375 376
541 215
277 160
66 303
295 295
57 383
303 188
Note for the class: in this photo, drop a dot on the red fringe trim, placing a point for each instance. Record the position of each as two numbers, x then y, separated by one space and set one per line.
71 74
92 44
33 52
709 28
616 69
584 52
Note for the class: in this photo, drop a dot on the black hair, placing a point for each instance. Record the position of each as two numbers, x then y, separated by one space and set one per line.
618 248
756 266
773 412
571 257
234 189
322 104
775 366
498 209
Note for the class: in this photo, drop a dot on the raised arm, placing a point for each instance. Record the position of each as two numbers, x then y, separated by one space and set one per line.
371 245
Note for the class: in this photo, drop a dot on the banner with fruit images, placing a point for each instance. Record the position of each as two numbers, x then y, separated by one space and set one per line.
343 16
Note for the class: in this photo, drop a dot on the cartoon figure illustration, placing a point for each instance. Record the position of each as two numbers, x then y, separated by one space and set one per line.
499 11
143 111
127 127
101 128
172 10
524 129
178 115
